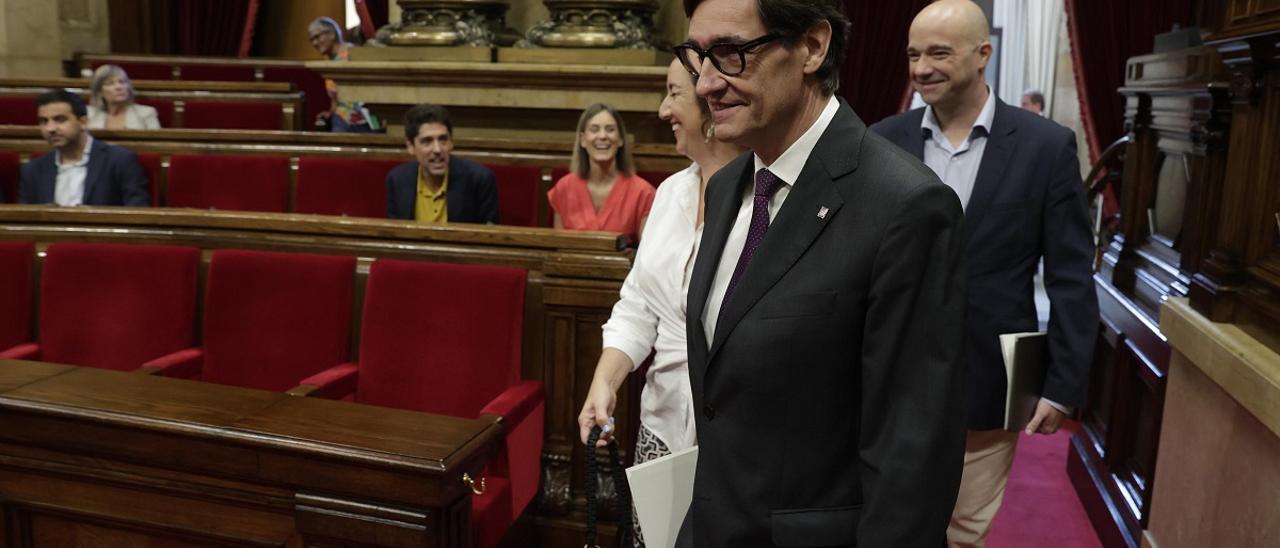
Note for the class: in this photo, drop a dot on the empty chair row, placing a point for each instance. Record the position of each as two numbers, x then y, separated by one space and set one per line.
433 337
248 114
323 185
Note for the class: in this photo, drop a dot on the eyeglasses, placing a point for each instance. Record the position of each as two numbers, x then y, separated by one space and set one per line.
730 59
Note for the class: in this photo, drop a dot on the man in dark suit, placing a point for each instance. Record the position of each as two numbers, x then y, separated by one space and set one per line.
81 170
825 309
1019 178
437 187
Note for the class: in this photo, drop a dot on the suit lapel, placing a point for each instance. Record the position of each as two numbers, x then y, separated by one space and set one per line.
714 234
798 223
999 149
911 139
97 161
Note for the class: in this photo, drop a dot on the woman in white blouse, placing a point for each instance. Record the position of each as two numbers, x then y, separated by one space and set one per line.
111 105
651 312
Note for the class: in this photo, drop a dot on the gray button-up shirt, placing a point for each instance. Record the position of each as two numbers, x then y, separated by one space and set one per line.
957 166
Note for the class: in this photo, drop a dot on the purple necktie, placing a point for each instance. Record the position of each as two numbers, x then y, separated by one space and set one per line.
766 183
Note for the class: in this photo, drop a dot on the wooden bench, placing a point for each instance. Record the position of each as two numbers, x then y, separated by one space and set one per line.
573 281
234 69
201 105
524 168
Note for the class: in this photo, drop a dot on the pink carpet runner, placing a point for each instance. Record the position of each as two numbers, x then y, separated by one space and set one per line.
1040 506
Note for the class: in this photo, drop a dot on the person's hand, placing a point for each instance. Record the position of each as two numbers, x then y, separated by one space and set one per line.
1047 419
597 411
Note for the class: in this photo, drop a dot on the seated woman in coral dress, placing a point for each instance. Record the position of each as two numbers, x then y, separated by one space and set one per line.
602 191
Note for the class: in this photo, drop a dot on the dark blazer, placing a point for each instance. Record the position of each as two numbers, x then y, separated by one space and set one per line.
115 178
472 196
828 405
1028 202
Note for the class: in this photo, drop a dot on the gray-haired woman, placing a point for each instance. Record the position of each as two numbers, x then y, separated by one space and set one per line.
112 105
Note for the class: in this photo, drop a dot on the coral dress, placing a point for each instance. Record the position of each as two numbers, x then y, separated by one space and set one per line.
628 202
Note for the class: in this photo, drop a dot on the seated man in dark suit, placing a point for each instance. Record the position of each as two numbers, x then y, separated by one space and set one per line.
438 188
81 170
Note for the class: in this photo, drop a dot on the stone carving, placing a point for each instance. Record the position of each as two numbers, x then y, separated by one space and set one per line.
476 23
620 24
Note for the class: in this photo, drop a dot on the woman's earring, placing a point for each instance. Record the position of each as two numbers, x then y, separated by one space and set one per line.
710 134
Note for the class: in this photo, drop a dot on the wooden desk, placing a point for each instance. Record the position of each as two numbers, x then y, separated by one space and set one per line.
106 458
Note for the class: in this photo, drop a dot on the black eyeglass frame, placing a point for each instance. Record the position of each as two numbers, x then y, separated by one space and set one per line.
741 49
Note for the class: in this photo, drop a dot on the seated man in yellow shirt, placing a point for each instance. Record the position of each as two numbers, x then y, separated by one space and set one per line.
437 187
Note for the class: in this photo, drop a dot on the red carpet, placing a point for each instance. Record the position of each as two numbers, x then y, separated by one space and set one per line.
1040 506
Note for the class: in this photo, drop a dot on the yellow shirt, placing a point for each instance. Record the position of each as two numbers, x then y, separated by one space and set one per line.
430 207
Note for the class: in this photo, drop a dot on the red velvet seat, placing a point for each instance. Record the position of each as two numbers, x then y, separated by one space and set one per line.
164 109
150 162
314 95
15 293
264 115
518 194
272 319
217 72
446 339
238 183
115 306
342 186
655 178
18 110
10 173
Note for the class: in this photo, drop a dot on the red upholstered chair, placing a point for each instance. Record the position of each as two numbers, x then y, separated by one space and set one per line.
314 95
343 186
238 183
518 194
446 339
151 166
217 73
18 110
115 306
272 319
265 115
164 109
15 294
10 165
655 178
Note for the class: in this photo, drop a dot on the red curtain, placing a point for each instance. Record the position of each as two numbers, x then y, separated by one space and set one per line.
215 27
1104 35
874 75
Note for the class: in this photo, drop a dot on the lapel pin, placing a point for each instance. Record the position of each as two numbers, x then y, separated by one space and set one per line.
822 212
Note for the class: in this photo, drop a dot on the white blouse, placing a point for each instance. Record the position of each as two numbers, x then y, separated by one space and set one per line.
135 117
651 312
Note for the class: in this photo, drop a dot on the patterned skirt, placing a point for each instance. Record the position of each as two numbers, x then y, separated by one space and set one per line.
648 447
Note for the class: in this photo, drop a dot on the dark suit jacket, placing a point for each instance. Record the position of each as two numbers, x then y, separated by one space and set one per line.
115 178
472 196
1027 202
828 405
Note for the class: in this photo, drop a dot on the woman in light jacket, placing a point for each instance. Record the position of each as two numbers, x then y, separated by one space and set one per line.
111 104
650 315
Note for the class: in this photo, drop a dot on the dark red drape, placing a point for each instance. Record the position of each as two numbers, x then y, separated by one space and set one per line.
379 12
214 27
874 75
1104 35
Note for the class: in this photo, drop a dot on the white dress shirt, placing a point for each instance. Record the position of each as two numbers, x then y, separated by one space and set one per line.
68 189
651 312
957 166
787 168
